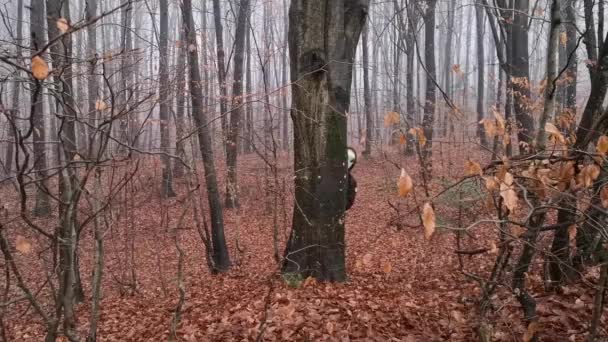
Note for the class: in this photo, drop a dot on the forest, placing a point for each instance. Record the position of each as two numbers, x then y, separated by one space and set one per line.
303 170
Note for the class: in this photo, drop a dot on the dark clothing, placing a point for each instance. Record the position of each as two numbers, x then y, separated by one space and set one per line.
352 191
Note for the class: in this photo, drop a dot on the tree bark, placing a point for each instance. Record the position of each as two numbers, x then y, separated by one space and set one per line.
521 74
429 106
165 102
236 114
480 73
37 29
221 259
9 157
221 67
323 37
367 95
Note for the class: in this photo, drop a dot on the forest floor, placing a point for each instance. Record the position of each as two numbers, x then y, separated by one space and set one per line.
401 287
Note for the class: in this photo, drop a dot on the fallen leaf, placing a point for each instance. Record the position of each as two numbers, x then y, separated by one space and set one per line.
428 220
604 196
602 145
533 328
22 245
405 184
391 118
62 25
387 267
367 259
40 69
555 133
472 168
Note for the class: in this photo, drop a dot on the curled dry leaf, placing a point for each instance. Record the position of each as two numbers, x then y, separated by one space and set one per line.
491 183
572 233
493 247
40 69
22 245
387 267
489 126
472 168
602 145
405 184
428 220
604 196
391 118
100 105
555 133
533 328
588 175
62 25
508 193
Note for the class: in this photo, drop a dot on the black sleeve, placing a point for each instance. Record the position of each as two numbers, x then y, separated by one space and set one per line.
352 191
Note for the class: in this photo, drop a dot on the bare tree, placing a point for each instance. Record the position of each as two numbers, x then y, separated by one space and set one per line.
321 64
219 253
237 105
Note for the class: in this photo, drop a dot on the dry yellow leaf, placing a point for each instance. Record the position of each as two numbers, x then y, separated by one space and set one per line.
387 267
405 184
100 105
428 220
402 139
588 175
604 196
563 38
533 328
472 168
62 25
22 245
391 118
493 247
555 133
367 259
491 183
572 233
508 193
602 145
40 69
489 127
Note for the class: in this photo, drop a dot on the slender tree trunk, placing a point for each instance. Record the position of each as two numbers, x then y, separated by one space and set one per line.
521 74
42 207
367 96
550 88
180 124
284 72
70 288
164 96
480 73
221 67
9 157
92 80
249 143
323 38
429 105
221 259
448 62
236 114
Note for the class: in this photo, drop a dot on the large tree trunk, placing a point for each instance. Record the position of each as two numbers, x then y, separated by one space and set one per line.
180 103
221 67
221 259
249 140
42 207
285 76
323 37
165 102
232 200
